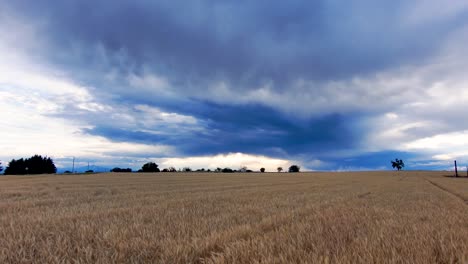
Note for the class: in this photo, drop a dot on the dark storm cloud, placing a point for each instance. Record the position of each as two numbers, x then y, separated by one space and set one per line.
244 43
249 129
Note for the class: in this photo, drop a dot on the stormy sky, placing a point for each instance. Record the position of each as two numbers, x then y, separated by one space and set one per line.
328 85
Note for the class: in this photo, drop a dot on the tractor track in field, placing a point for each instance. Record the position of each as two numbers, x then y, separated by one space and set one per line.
465 200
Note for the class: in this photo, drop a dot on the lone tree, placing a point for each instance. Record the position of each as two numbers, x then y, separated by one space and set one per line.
294 168
34 165
280 169
150 167
398 164
262 170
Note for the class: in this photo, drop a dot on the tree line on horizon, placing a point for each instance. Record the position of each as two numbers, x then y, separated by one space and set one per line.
45 165
153 167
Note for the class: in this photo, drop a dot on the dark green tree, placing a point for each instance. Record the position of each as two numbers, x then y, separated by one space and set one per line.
16 167
39 165
398 164
150 167
294 168
34 165
262 170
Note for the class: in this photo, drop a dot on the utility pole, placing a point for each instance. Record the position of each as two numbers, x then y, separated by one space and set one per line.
456 169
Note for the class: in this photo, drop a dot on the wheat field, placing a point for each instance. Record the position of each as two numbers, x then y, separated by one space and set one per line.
359 217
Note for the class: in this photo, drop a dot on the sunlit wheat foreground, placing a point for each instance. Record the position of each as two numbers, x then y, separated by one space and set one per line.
370 217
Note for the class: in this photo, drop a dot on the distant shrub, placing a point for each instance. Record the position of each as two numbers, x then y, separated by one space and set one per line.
262 170
170 169
149 167
121 170
294 168
227 170
89 171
